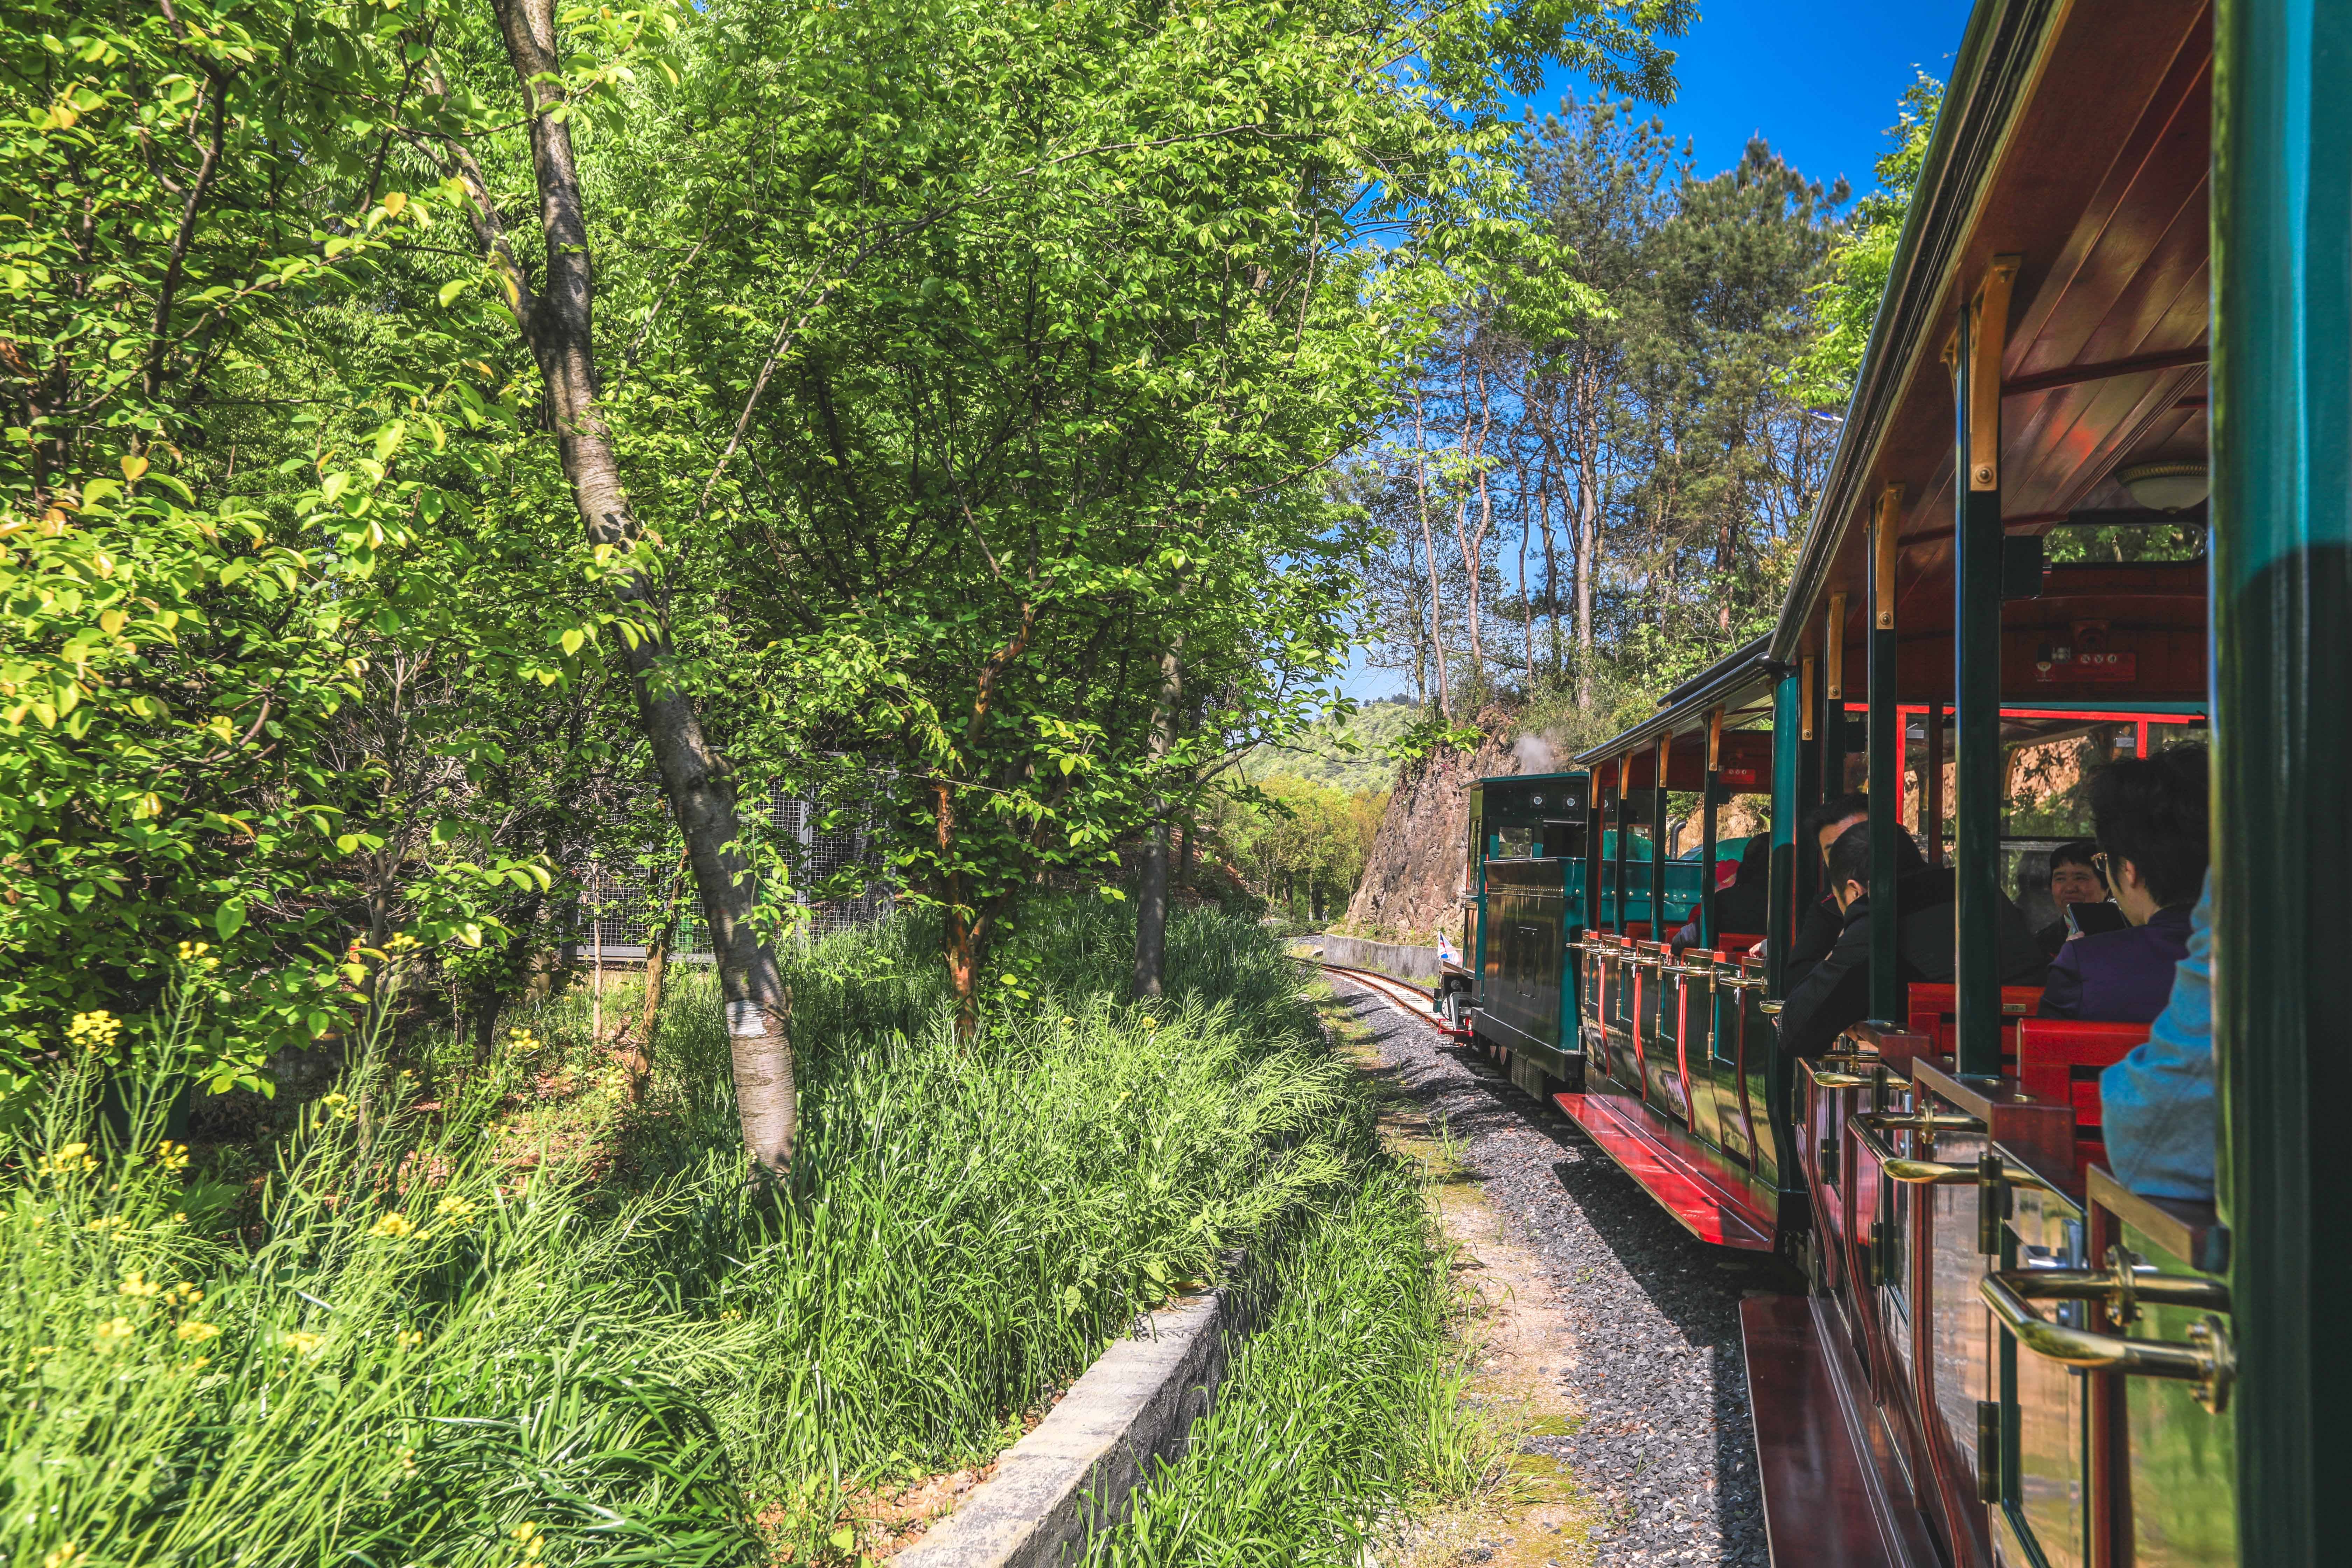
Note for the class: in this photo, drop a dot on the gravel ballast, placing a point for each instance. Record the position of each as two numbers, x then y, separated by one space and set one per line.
1665 1449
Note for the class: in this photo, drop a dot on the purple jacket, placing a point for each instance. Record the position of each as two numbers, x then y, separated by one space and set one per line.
2118 977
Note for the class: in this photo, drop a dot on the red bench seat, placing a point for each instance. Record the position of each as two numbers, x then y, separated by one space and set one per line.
2061 1059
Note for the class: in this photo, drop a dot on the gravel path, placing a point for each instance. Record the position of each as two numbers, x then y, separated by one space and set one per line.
1664 1447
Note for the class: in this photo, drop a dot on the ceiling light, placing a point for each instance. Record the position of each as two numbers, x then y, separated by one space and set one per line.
2167 487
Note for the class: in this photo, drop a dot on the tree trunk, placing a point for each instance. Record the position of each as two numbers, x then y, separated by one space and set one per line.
1587 545
559 329
637 1056
1151 898
1474 546
1429 549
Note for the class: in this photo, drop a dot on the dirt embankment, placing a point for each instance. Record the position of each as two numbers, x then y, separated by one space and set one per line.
1414 875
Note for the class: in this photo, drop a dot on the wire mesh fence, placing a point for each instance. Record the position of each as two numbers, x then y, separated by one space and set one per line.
824 845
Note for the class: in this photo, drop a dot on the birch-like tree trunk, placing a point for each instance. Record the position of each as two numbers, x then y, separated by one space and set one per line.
1429 550
1151 898
558 325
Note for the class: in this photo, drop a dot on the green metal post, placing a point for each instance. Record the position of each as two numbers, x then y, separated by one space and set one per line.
1706 933
1885 780
2282 583
1788 804
1624 805
1976 644
1594 825
1658 931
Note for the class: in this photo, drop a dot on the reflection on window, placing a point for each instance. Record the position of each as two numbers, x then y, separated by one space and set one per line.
2100 543
2046 796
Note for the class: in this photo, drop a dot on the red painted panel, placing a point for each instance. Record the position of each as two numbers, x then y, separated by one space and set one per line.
1825 1504
1675 1168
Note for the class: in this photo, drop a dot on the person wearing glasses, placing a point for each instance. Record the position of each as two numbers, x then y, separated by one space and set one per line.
2150 818
2080 895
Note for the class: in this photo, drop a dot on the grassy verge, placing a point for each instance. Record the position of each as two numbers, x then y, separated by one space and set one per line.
1344 1418
513 1320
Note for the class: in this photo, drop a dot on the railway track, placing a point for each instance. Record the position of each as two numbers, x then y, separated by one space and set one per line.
1406 996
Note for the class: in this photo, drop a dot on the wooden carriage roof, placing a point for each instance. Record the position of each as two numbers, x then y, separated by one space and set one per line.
2077 140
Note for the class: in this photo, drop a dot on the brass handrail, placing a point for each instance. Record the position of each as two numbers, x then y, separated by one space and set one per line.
1925 1122
2208 1360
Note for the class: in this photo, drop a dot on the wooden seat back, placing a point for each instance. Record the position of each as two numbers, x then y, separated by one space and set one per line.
1934 1010
2061 1060
1733 943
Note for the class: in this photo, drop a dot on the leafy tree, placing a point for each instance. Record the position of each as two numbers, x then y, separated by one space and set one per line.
1847 301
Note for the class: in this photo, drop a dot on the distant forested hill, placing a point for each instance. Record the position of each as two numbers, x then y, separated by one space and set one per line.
1318 754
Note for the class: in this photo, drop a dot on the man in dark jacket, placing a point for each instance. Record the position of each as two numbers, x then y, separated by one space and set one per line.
2150 816
1835 994
1819 923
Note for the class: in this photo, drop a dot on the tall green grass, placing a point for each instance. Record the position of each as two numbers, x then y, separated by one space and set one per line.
420 1340
1341 1417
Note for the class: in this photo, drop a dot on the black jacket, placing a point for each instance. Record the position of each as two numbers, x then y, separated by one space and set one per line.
1835 994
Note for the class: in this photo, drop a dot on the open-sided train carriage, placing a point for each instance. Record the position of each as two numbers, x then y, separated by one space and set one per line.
2113 285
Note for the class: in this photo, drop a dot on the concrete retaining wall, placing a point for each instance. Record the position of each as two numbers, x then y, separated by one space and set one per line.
1074 1474
1390 958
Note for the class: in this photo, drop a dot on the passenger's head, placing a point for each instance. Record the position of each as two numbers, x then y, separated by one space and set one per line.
1755 862
2074 873
1826 821
1849 865
2151 821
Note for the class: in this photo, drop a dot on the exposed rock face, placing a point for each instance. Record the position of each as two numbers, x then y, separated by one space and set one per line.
1414 875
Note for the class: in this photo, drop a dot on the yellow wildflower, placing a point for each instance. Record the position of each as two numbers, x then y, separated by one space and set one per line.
113 1334
73 1160
302 1342
171 1156
67 1556
196 1331
411 1337
521 1040
394 1226
730 1315
400 941
1149 1022
93 1031
408 1458
197 1365
137 1284
184 1294
529 1540
455 1210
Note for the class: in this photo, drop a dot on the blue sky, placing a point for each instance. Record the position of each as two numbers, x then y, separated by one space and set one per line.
1817 79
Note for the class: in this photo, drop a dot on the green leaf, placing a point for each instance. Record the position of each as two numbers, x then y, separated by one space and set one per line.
229 919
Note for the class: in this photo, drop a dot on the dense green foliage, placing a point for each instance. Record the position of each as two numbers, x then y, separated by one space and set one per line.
1299 844
1847 301
965 369
435 1327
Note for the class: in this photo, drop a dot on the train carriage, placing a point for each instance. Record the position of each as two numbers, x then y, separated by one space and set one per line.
2127 275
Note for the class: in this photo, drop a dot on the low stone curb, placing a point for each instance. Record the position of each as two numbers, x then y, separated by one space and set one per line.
1423 964
1074 1474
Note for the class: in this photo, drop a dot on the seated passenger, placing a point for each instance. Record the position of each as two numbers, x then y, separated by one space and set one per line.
2158 1103
1742 906
1836 993
2150 815
1818 924
2076 889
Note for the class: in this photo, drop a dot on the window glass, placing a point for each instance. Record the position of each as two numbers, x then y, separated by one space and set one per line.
2097 543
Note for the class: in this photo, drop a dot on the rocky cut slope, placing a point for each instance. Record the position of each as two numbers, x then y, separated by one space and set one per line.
1412 877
